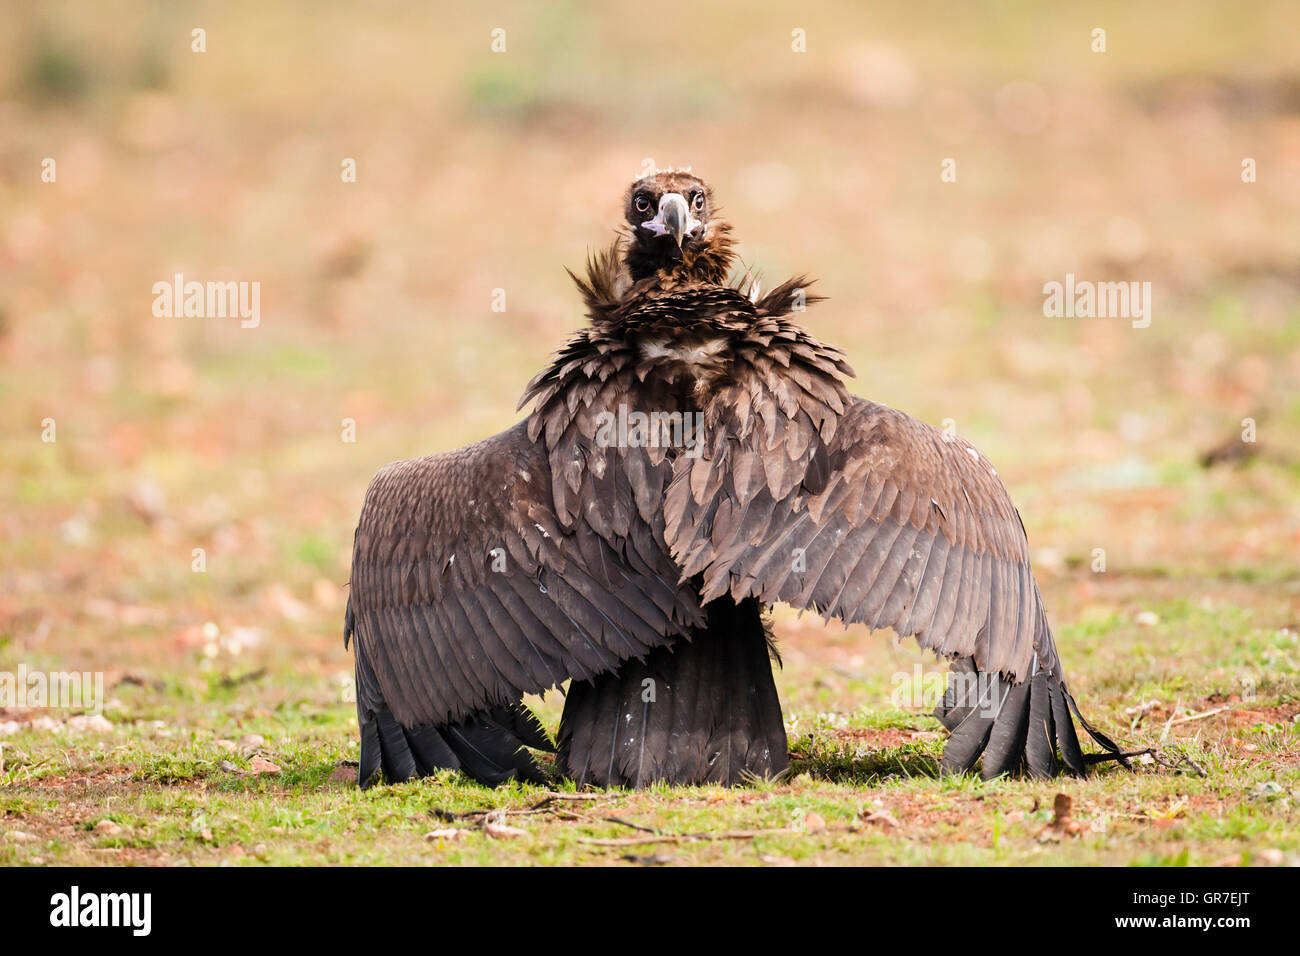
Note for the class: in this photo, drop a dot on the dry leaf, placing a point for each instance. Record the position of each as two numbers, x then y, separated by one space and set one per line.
1063 823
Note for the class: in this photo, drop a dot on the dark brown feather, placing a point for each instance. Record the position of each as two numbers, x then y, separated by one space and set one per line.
793 490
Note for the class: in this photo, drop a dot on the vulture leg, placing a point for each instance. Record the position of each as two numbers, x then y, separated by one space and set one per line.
700 711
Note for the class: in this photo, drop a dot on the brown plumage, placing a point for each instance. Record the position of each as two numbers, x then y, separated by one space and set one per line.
636 562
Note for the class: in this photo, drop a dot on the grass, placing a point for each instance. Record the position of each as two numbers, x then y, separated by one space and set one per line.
173 775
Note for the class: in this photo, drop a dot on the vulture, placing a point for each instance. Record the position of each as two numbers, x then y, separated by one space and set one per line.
690 457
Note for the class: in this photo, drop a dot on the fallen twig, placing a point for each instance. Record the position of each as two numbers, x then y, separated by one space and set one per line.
655 860
1175 721
580 796
682 837
634 826
247 678
1162 761
1208 713
550 798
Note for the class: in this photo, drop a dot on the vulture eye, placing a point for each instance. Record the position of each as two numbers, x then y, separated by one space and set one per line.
642 203
698 200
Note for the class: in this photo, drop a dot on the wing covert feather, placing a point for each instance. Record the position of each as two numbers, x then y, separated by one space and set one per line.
468 591
871 516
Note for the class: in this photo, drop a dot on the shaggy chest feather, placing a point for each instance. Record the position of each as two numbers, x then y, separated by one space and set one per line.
697 356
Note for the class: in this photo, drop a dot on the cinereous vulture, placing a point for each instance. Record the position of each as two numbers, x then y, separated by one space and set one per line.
691 457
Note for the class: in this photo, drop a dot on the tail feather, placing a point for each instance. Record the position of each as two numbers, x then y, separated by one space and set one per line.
702 710
690 722
490 746
953 711
395 754
490 753
430 750
1071 752
1006 746
1040 749
371 752
1017 726
523 723
1114 752
1014 727
967 742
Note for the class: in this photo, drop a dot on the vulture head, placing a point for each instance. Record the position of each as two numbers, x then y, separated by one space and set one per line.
673 230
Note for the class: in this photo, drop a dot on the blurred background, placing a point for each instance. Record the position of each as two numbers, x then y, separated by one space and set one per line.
478 171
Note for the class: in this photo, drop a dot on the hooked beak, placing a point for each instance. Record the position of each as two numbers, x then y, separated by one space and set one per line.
674 219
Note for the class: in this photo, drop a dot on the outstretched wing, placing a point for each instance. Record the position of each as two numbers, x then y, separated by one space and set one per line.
467 592
811 497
